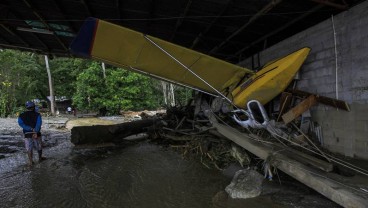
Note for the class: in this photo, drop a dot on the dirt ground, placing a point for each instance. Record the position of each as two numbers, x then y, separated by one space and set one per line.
10 125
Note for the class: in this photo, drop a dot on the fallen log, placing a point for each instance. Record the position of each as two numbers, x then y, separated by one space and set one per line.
109 133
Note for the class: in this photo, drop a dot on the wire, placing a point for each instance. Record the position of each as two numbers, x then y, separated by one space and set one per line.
187 68
325 177
333 159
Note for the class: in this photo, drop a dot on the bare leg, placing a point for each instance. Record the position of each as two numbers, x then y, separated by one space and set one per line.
40 158
28 145
30 158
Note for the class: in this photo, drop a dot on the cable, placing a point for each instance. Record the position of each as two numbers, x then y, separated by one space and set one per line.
187 68
325 177
333 159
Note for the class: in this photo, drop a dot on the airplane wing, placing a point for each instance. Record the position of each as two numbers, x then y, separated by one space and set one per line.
120 46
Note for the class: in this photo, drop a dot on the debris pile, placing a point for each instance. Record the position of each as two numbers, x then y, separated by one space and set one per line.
194 137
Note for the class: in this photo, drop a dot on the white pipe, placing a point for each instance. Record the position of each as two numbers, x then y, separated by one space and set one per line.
103 70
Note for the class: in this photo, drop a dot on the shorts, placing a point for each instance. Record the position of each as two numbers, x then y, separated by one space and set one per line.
33 144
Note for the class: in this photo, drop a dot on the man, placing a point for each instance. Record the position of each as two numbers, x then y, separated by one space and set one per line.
31 122
69 109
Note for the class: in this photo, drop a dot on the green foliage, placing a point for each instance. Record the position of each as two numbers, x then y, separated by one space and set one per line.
121 90
182 95
65 72
23 77
90 89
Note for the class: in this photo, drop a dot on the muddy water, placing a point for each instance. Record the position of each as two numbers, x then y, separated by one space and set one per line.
142 175
135 175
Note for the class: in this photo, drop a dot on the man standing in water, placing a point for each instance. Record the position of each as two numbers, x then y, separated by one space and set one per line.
31 122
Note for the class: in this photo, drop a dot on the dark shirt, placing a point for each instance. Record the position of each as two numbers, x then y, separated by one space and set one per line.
31 122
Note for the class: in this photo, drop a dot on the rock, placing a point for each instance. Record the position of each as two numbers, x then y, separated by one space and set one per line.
240 155
245 184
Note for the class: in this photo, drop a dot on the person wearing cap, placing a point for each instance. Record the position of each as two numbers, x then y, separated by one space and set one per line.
31 122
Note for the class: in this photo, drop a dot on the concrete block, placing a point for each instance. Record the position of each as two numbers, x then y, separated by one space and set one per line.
328 136
316 64
361 154
318 115
359 127
302 84
336 149
329 53
349 146
328 89
361 148
360 115
360 94
358 140
337 139
332 141
342 124
317 81
346 96
309 74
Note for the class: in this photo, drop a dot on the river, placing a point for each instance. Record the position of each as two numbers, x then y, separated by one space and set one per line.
131 175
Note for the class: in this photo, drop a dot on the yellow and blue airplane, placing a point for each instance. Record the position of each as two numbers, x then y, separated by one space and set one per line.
123 47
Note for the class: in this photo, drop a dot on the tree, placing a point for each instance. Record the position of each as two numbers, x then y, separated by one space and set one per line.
22 78
90 89
130 91
65 72
121 90
51 86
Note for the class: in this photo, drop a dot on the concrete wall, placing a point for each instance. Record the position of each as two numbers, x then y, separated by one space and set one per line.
343 132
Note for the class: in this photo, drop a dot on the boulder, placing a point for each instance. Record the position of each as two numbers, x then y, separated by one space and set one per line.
245 184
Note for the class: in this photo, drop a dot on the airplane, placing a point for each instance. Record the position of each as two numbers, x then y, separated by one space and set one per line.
132 50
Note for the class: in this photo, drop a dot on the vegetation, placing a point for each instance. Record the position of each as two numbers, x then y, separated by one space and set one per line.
23 77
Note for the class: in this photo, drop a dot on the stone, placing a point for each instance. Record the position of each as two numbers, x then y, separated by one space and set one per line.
245 184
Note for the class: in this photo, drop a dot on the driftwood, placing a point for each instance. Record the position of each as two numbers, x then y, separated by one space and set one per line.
109 133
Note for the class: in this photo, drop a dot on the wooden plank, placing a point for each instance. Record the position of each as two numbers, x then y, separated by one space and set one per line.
307 159
324 100
299 109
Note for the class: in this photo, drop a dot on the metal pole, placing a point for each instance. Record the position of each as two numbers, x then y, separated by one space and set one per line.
335 43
